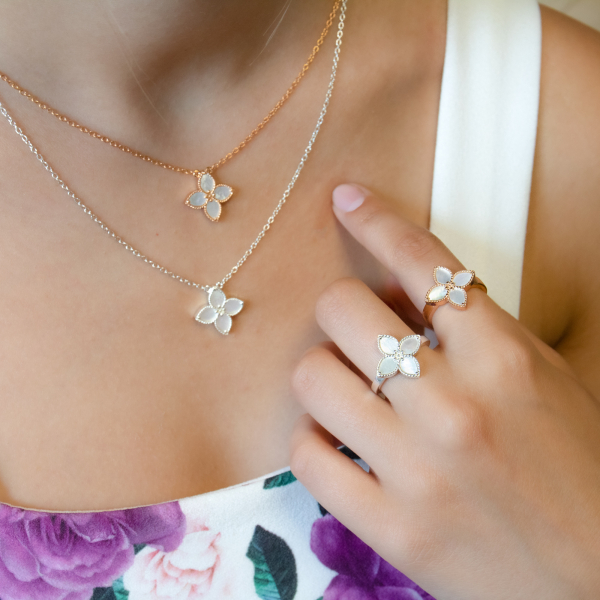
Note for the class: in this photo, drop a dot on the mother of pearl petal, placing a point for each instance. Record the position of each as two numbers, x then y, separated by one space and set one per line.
233 306
207 315
222 192
207 182
197 199
437 293
410 345
409 366
443 275
458 296
213 209
216 298
223 324
462 279
388 344
387 366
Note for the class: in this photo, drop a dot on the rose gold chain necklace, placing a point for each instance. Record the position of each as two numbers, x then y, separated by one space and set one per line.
209 196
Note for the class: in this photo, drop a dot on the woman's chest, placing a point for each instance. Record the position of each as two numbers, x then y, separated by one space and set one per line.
112 394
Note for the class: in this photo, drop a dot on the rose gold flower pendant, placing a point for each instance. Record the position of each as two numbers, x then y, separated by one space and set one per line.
209 196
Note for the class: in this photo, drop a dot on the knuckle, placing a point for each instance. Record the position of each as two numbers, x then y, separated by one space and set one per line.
336 297
462 426
414 246
304 374
303 459
515 362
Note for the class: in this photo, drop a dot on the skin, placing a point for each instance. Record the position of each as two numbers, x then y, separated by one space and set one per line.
105 378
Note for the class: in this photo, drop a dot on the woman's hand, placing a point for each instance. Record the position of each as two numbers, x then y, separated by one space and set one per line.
485 471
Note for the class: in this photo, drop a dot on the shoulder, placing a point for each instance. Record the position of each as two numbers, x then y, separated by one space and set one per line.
565 204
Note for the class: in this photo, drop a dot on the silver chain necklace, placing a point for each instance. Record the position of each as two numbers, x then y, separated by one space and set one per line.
219 310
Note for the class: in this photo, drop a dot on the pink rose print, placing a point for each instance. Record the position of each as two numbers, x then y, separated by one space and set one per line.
186 573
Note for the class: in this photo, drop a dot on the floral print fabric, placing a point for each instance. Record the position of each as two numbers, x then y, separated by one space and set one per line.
267 539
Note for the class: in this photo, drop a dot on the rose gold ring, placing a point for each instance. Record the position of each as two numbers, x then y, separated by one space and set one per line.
398 357
449 288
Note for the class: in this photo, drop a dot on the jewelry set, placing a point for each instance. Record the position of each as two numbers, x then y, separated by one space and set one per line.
209 196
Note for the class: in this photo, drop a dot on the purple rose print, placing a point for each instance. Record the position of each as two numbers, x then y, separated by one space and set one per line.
363 574
64 556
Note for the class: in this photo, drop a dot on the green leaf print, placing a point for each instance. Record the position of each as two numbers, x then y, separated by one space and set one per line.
119 589
103 594
275 576
279 480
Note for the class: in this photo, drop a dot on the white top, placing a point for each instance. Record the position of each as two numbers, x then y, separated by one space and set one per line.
486 139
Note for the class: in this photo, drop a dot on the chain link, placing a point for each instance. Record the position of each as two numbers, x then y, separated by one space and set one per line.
124 148
266 226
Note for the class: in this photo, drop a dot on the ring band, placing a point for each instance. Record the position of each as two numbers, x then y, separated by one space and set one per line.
449 288
398 357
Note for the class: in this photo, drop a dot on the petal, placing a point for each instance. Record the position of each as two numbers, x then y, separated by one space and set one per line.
196 199
388 344
207 315
387 367
223 324
233 306
207 182
442 275
437 293
410 344
223 193
458 297
397 593
216 297
463 278
342 551
213 210
410 367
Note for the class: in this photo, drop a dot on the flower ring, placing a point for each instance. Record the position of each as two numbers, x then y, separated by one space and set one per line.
398 357
449 288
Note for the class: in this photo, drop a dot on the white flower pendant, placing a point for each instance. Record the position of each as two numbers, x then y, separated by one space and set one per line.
219 311
209 196
398 356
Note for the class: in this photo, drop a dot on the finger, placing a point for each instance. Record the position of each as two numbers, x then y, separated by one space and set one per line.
336 481
401 303
344 405
353 317
408 251
549 353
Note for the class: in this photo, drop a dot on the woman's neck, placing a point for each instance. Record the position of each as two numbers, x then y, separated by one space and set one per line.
166 62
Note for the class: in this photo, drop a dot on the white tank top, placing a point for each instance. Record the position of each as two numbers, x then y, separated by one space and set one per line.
268 538
486 139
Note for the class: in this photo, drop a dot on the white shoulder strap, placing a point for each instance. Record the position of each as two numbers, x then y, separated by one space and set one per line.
486 139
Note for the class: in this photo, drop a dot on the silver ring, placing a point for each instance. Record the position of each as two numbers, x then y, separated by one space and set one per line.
398 357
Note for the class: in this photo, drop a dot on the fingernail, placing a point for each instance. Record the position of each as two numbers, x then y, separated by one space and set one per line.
348 197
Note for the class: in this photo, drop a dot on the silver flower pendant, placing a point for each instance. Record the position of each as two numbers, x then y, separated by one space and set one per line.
209 196
219 311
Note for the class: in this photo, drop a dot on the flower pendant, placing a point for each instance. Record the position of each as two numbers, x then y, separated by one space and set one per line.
219 311
209 196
